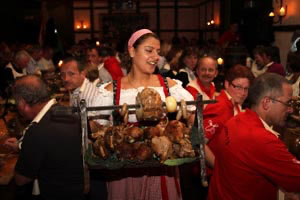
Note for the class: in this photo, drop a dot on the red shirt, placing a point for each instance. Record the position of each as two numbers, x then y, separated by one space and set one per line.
195 87
251 162
113 66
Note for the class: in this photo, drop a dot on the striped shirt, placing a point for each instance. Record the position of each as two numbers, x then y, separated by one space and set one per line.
88 91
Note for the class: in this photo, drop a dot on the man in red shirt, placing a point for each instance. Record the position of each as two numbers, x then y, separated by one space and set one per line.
251 161
206 72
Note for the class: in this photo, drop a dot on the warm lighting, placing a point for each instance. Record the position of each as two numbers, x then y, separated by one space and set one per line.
208 23
97 43
81 25
212 22
60 63
220 61
278 16
282 11
271 14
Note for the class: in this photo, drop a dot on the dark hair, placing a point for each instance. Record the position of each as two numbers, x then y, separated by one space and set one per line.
261 50
188 51
79 62
126 60
267 84
239 71
105 51
32 89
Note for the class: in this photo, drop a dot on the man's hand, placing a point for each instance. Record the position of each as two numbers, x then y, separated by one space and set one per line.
12 143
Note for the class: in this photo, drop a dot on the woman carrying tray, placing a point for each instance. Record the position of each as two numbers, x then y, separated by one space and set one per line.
143 183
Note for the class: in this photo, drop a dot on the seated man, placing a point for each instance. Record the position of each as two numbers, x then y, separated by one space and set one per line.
74 79
251 161
35 53
51 148
46 62
94 59
17 68
206 71
265 63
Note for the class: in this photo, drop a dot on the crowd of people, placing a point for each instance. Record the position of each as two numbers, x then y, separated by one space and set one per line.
245 157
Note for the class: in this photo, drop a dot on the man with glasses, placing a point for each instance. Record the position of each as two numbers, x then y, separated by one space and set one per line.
74 79
251 161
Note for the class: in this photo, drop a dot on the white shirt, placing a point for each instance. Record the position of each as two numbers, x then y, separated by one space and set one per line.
46 64
128 96
14 72
87 91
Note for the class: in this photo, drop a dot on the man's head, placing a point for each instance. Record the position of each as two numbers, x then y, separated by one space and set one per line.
270 96
237 82
36 52
262 55
72 73
93 57
30 93
207 69
21 59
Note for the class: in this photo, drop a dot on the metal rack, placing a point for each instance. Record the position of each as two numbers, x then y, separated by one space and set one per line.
83 109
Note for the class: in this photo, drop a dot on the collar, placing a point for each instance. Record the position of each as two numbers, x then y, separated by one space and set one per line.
32 60
84 85
269 64
237 108
209 92
81 88
228 96
269 128
100 66
44 110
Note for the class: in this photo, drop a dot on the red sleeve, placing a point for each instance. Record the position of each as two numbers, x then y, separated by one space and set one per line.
113 66
193 91
214 118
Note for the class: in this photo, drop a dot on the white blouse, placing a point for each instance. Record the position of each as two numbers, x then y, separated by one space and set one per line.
128 96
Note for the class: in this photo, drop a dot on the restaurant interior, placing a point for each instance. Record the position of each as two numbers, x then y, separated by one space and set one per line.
69 24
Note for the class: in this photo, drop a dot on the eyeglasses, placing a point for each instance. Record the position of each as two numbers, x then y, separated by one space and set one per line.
287 104
240 88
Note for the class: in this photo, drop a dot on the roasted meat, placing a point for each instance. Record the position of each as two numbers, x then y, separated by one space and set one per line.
100 148
151 104
162 147
134 134
176 131
184 148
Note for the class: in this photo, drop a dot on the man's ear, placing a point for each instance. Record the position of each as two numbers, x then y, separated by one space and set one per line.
226 84
266 103
21 103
